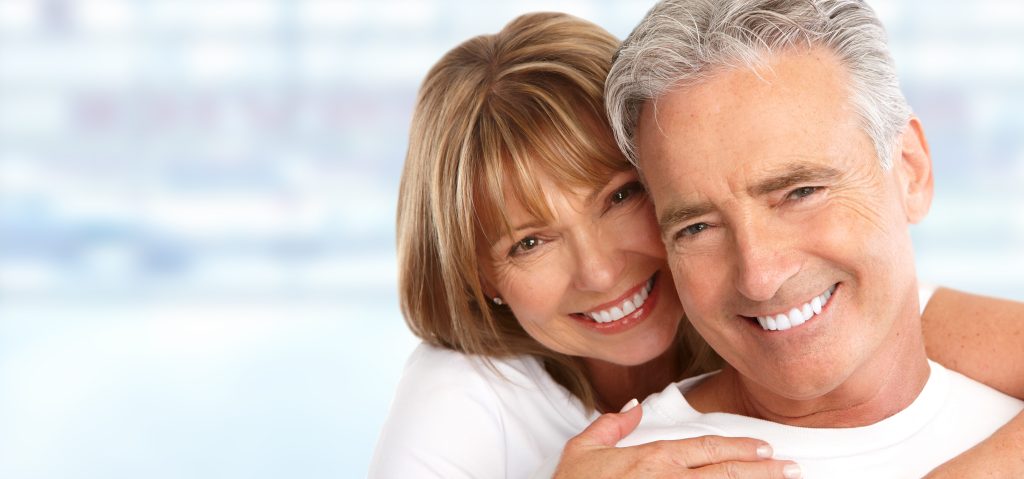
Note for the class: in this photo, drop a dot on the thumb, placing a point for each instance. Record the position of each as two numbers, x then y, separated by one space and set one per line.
610 428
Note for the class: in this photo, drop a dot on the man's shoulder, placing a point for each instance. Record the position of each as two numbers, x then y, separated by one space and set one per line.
668 415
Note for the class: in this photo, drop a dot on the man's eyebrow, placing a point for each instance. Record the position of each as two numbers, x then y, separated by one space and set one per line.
682 212
792 175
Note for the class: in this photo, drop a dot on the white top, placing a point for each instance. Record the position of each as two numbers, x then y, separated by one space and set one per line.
452 417
952 413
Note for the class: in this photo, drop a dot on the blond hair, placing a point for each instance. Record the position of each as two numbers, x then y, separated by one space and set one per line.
501 109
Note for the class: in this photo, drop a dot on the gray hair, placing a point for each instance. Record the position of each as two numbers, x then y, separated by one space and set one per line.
683 42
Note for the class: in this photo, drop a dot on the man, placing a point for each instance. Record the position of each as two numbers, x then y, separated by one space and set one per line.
785 168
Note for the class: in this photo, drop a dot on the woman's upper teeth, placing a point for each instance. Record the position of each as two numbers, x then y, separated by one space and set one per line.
625 308
798 315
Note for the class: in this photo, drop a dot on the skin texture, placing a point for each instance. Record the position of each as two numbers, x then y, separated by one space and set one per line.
769 193
595 234
987 347
599 247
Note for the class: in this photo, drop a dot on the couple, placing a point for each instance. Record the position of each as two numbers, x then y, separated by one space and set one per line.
778 170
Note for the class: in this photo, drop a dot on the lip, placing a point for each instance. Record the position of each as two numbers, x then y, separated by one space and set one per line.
752 321
630 320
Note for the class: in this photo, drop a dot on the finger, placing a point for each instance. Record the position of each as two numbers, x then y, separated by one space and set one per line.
706 450
610 428
769 469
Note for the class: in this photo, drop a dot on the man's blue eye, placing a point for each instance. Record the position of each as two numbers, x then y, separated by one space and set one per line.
803 192
694 229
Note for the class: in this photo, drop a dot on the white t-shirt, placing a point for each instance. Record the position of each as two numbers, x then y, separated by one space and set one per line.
952 413
452 417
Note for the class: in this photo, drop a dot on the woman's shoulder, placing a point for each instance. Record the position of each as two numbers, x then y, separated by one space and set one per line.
455 413
433 363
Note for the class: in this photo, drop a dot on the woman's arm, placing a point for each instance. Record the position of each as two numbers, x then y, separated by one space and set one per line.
982 338
977 336
592 455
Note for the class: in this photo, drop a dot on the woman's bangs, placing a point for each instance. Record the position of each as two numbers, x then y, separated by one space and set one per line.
539 133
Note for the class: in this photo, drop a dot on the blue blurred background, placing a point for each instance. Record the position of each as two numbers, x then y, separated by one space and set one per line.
197 271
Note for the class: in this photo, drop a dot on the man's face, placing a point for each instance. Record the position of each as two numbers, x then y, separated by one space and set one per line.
772 204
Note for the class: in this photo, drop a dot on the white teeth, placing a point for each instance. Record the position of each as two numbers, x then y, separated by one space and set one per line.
782 321
627 307
796 316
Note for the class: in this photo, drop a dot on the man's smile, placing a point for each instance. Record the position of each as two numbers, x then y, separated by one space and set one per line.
797 315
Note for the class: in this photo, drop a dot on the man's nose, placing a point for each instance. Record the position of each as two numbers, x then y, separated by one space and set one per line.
765 259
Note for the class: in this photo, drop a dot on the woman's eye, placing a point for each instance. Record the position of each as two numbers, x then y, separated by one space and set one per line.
626 192
804 192
524 245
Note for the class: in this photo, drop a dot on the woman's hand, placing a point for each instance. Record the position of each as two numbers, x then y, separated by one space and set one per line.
592 454
1001 455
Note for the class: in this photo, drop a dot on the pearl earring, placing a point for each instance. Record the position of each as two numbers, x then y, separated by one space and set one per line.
496 300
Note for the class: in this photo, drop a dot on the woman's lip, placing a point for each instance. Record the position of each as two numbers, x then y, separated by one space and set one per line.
627 322
627 295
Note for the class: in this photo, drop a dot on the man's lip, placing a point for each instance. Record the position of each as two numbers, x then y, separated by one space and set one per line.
628 294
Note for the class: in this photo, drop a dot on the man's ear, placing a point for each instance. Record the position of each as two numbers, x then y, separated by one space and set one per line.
914 167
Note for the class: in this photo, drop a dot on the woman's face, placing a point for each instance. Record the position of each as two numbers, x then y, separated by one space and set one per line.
593 282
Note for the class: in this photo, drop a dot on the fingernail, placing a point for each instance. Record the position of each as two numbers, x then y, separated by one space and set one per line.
792 471
764 451
630 405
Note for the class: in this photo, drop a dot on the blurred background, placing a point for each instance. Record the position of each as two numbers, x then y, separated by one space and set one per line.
197 270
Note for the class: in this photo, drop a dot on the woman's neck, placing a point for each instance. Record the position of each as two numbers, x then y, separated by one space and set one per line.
614 384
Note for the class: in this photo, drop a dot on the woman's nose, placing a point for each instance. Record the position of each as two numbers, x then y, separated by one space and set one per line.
599 262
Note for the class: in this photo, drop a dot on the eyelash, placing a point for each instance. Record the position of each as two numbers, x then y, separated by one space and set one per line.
630 191
520 249
809 190
630 188
797 195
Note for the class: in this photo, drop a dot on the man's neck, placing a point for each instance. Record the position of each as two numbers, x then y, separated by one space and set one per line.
882 387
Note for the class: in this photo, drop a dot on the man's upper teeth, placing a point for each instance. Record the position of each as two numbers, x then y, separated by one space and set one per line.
625 308
796 316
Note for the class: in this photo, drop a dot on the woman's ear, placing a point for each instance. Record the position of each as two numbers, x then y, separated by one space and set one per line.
914 167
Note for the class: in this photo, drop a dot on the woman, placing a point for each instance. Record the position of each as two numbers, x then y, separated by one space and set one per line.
532 268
